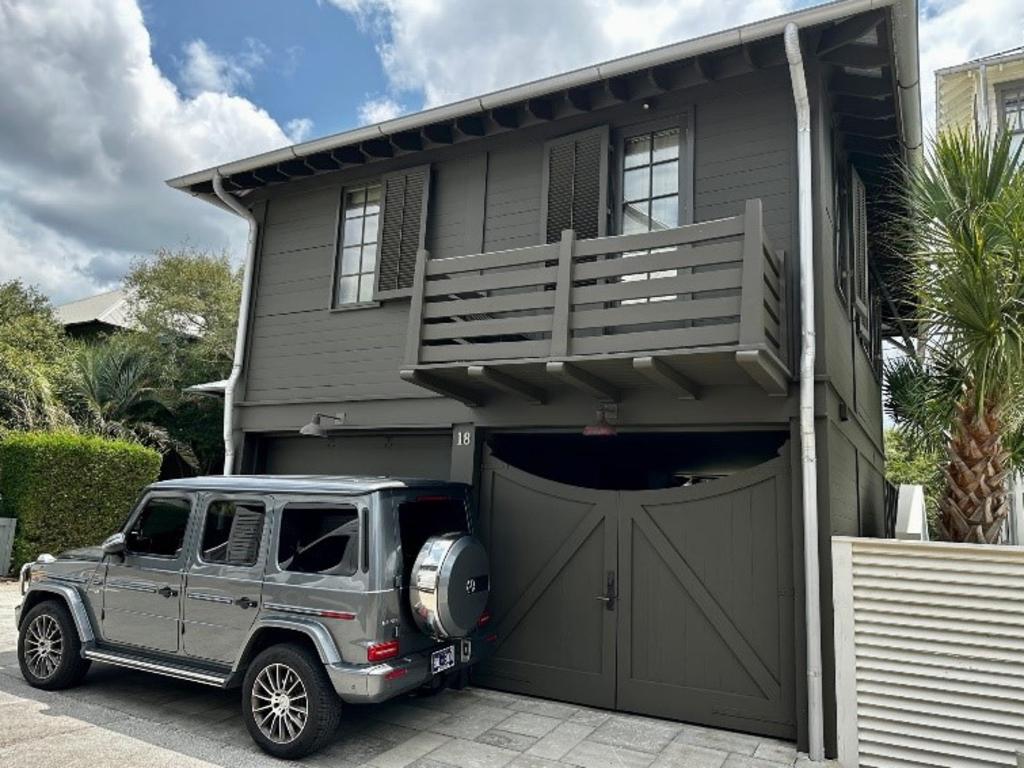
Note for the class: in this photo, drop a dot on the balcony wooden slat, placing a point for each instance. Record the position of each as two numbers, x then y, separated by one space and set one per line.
493 260
491 327
664 286
676 338
657 312
681 258
490 304
493 351
665 238
489 281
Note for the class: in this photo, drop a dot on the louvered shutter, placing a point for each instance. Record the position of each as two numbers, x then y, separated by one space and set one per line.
402 229
576 185
860 242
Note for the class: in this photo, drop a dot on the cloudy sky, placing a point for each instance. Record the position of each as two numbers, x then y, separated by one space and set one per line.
101 100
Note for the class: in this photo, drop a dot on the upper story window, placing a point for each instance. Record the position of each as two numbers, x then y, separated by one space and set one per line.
1011 106
357 262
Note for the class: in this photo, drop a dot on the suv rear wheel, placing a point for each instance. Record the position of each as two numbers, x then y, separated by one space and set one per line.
49 651
288 703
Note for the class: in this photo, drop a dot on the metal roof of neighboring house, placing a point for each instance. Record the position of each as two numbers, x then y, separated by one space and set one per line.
905 55
110 308
298 483
1011 54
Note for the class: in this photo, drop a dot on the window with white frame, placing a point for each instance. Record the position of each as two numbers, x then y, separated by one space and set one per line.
650 193
1011 105
357 258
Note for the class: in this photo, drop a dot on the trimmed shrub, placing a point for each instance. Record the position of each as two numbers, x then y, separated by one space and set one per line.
69 490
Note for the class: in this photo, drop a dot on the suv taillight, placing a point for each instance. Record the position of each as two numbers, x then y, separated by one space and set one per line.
382 651
484 620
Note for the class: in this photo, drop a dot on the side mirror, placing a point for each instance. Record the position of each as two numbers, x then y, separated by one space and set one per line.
114 545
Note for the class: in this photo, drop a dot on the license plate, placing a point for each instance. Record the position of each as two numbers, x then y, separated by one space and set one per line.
442 659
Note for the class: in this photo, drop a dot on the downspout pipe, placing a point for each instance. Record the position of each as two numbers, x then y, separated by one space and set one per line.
808 452
242 332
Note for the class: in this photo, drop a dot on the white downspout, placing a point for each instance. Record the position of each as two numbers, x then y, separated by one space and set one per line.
243 321
808 457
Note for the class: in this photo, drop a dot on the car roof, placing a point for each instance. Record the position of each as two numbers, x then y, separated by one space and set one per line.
348 484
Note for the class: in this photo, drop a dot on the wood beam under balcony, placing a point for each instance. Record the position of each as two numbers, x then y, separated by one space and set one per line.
666 377
584 381
507 384
441 387
765 369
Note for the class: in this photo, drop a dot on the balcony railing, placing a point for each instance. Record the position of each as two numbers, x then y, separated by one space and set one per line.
650 298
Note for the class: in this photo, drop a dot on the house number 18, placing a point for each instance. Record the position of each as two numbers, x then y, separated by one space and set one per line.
463 437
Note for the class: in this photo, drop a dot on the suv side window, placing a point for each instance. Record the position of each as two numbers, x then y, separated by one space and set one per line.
159 530
319 538
232 531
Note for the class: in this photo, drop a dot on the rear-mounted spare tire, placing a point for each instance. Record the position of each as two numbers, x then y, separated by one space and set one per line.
450 585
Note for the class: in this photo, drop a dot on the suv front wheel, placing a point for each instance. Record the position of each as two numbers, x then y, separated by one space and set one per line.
49 651
288 703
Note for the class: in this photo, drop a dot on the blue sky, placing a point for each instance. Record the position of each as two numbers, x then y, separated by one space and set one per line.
317 63
103 100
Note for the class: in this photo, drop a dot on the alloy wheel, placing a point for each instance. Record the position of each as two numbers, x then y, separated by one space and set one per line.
279 703
44 646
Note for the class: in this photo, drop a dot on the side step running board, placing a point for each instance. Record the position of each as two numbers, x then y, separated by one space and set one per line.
180 671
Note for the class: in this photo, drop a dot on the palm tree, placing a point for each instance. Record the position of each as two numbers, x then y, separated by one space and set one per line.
964 226
116 388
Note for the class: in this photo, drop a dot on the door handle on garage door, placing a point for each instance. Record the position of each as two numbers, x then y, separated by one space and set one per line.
610 595
166 591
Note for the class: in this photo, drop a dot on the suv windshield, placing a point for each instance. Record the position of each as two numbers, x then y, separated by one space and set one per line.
425 516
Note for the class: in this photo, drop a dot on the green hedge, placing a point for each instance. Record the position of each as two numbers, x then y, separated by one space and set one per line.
69 490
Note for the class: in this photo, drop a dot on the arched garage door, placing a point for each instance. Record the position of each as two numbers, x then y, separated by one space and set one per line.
396 454
676 603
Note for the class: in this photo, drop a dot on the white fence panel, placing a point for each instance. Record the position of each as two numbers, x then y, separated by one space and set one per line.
929 653
6 543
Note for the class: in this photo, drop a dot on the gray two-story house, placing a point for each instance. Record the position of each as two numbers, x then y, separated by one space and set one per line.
583 296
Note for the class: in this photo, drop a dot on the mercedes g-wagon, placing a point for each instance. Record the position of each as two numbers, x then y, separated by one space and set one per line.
305 591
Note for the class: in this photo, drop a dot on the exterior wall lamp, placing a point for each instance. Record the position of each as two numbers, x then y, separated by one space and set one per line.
316 428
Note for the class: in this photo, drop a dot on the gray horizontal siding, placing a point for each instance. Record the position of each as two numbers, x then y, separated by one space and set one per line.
513 198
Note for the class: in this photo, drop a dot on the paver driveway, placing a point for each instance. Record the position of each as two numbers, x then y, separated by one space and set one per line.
125 719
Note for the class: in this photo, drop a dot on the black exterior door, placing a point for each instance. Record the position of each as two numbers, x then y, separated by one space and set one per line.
676 603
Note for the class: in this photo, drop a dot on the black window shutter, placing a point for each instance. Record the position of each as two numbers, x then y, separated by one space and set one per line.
403 229
576 184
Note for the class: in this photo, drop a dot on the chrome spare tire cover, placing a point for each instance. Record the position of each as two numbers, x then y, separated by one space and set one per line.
450 585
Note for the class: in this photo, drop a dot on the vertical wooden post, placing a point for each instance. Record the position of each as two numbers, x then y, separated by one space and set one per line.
419 280
563 295
752 281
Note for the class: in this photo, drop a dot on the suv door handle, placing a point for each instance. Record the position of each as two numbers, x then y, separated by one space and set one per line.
166 591
245 602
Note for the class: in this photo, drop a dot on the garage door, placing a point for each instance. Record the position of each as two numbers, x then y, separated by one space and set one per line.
676 603
393 454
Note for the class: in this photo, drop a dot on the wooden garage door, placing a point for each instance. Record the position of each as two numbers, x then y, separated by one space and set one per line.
401 454
699 624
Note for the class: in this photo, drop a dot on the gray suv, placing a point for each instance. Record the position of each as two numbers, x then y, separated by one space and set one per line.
305 591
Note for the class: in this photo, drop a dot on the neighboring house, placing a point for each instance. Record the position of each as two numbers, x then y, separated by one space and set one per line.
581 295
986 94
95 315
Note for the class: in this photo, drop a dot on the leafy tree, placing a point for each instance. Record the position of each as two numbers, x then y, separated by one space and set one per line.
185 303
906 464
33 360
964 393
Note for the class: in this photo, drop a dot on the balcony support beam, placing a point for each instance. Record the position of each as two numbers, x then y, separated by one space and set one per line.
584 381
765 370
662 374
441 387
507 384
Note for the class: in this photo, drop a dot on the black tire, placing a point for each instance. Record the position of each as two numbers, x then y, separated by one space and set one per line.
323 707
50 618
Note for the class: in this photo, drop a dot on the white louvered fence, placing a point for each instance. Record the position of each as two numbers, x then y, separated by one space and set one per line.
929 653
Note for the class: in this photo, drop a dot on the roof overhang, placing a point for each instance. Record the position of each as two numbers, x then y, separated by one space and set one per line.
573 91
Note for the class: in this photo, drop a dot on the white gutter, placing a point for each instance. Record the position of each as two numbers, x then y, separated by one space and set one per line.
231 384
808 453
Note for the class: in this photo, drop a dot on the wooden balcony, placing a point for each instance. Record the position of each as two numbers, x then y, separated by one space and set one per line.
698 306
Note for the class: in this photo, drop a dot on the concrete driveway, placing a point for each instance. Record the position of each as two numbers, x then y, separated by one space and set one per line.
123 718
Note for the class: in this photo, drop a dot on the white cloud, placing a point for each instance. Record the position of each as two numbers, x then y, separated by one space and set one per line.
91 128
299 129
379 109
207 70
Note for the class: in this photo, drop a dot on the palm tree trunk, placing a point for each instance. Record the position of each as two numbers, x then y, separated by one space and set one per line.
975 506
